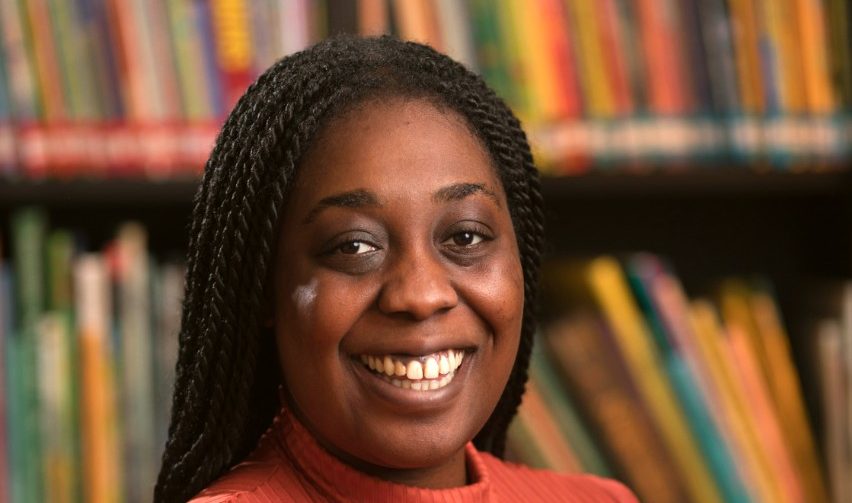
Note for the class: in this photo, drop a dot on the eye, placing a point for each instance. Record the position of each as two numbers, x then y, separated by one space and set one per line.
466 238
355 248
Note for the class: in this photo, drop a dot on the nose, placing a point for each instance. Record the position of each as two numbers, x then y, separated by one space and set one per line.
417 286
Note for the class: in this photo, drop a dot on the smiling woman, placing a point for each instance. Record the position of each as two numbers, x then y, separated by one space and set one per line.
361 282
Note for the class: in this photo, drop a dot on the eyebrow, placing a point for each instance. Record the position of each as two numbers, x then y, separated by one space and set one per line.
459 191
359 198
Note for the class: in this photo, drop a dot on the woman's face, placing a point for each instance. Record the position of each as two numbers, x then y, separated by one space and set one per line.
397 252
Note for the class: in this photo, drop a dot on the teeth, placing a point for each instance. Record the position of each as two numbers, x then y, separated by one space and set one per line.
415 371
431 370
399 369
421 374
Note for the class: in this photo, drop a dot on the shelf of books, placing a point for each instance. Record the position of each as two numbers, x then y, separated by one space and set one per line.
682 141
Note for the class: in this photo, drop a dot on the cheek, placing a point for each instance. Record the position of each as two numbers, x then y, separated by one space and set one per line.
314 315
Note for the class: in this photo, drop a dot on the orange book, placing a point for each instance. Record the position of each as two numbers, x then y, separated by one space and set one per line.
810 15
372 17
787 394
743 18
760 405
102 467
417 21
667 87
614 52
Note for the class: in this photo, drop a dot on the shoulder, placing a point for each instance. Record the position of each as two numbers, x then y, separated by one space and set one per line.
544 485
265 479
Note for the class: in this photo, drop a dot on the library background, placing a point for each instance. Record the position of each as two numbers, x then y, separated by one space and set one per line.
697 311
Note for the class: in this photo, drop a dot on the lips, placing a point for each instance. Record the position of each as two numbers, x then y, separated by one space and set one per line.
419 373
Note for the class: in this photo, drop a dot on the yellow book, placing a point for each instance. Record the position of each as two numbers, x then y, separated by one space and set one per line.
783 30
787 394
596 84
538 77
810 15
734 405
609 286
513 50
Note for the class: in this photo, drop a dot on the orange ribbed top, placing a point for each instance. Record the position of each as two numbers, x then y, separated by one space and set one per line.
289 465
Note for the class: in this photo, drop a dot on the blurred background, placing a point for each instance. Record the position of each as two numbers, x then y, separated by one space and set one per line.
696 337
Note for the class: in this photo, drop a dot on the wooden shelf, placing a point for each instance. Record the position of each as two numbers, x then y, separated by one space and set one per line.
711 182
695 183
56 193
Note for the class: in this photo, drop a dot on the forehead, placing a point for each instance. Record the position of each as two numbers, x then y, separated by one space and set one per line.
395 146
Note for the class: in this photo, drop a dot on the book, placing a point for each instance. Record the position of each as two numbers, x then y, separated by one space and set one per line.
649 282
590 367
565 412
57 375
786 391
135 357
606 280
736 403
835 397
102 453
29 230
6 489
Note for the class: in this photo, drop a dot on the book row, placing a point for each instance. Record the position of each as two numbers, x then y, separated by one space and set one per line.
137 88
685 399
88 346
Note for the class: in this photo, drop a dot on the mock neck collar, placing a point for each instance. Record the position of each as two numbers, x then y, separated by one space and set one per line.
341 482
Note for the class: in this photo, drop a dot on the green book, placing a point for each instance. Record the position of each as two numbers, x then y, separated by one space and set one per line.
59 358
28 237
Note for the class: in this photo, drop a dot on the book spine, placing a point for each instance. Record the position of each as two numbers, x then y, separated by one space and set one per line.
6 393
787 394
28 240
140 447
233 47
102 463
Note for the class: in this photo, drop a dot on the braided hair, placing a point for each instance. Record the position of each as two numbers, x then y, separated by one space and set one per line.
227 372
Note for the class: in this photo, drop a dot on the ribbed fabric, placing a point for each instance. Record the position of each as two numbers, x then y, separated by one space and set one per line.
289 465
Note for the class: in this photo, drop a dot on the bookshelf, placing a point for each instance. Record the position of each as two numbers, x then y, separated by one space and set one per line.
754 183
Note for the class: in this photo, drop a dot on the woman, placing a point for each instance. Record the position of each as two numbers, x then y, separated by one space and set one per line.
362 276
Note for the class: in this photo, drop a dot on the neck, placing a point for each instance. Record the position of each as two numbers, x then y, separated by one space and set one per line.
452 473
